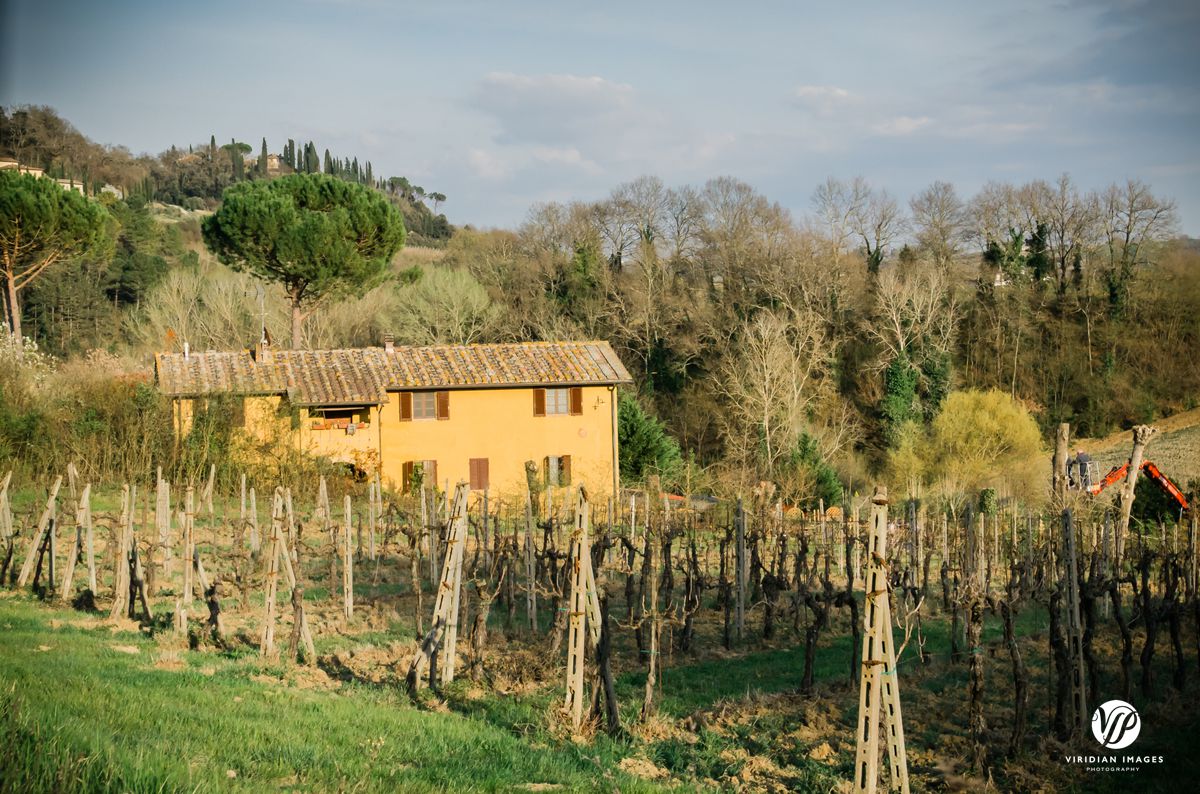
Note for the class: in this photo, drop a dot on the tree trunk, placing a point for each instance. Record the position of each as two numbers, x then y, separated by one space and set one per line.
1020 683
1141 437
1061 444
1114 594
1062 666
1150 620
297 322
14 312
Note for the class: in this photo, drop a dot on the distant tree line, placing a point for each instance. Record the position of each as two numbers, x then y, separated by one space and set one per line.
811 351
195 177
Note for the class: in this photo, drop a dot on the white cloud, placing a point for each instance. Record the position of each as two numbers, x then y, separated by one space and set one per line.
823 100
902 125
567 156
552 109
487 165
821 93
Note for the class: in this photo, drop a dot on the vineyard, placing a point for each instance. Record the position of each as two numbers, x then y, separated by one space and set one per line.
656 641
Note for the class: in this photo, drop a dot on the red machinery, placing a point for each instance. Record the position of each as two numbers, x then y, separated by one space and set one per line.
1155 474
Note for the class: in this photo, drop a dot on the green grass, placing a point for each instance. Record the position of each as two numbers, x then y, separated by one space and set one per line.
83 716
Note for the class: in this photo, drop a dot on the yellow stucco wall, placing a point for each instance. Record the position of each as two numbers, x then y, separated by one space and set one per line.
497 424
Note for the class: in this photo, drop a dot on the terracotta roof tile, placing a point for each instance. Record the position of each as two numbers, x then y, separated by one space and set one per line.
363 376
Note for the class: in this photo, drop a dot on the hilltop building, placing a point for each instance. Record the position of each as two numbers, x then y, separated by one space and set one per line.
435 414
7 164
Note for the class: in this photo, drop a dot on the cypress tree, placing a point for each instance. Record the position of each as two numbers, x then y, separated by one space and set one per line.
212 164
262 159
235 154
370 180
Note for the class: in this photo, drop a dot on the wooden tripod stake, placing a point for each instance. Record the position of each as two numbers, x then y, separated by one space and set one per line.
445 609
585 609
879 684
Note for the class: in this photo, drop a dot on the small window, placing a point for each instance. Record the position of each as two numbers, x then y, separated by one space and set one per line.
425 405
337 418
557 402
557 470
479 473
419 474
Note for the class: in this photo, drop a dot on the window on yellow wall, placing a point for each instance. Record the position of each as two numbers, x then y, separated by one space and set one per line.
558 402
557 470
478 468
424 405
419 474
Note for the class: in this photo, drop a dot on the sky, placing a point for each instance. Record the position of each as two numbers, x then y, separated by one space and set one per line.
503 105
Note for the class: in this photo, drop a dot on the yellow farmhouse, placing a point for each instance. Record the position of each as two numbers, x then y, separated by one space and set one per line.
445 413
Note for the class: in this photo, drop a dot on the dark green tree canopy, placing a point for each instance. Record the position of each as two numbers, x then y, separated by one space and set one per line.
312 233
41 224
646 447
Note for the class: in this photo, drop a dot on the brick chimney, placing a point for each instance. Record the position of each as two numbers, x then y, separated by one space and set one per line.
389 343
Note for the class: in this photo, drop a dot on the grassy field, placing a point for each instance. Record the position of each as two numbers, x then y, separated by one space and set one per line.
87 708
86 705
90 706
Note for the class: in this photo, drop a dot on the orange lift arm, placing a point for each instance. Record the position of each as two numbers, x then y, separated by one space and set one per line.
1116 475
1164 482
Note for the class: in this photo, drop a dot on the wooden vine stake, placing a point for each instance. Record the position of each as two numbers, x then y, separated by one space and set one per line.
445 608
371 519
741 568
280 555
1074 628
83 523
6 521
162 520
879 686
266 644
530 565
189 545
89 539
39 535
347 561
585 609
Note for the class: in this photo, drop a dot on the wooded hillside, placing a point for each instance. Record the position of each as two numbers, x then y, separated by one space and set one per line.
806 350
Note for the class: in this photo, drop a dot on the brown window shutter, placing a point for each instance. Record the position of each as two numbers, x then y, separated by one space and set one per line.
405 406
546 470
539 402
564 470
479 473
576 401
443 405
407 477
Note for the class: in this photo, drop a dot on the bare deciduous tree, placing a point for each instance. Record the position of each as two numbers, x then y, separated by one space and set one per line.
877 221
940 222
776 374
918 308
